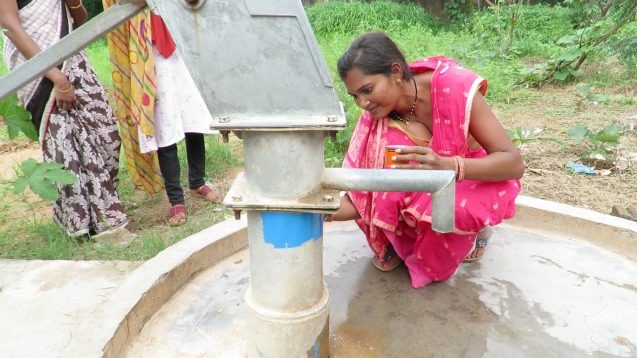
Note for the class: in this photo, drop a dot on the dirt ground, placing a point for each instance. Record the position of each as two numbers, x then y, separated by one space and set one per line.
553 109
556 110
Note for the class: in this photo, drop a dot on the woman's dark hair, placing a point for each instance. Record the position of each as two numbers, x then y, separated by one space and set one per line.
372 53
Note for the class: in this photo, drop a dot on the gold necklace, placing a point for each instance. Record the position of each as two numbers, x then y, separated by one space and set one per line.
405 120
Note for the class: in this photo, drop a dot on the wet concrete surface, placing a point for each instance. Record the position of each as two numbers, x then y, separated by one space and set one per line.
532 295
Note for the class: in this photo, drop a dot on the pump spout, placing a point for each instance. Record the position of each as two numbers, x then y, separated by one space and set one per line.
438 182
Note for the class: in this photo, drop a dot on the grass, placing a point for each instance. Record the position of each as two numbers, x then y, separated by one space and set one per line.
478 44
21 236
28 232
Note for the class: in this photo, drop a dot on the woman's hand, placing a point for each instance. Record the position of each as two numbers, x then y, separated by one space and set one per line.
78 12
422 158
65 95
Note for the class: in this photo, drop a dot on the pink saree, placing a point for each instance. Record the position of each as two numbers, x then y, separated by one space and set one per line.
404 219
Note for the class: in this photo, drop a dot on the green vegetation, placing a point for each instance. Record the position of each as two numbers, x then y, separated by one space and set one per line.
516 47
600 146
498 42
25 232
357 16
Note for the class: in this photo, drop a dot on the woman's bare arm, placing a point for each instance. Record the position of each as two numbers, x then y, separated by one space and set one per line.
10 22
503 160
78 12
347 210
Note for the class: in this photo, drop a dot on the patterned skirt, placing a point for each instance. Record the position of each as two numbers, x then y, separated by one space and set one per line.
85 140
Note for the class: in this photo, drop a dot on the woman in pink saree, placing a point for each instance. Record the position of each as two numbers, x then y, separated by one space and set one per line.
436 109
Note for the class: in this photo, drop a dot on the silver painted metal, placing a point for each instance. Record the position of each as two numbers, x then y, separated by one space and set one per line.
256 62
441 183
287 302
284 279
251 200
284 164
69 45
283 171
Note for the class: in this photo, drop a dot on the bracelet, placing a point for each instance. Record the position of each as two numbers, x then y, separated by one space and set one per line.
328 217
66 90
456 165
460 166
76 6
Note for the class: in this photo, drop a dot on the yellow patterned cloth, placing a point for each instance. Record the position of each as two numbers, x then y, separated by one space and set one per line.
133 76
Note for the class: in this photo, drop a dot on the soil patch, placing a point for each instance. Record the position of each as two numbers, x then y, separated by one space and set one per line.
556 110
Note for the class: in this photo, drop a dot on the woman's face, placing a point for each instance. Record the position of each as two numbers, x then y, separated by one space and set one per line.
378 94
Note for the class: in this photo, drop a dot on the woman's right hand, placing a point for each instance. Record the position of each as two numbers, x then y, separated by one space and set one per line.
65 95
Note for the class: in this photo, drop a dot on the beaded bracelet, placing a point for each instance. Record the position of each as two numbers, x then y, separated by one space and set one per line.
76 6
66 90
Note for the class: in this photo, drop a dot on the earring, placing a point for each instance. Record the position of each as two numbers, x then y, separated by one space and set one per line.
398 80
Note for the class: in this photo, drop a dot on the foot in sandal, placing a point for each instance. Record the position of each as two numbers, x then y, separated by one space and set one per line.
480 246
208 193
177 215
389 262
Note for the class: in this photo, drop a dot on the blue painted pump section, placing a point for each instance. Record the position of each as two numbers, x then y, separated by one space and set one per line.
286 230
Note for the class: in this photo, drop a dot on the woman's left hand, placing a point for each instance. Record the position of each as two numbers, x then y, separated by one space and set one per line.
78 12
422 158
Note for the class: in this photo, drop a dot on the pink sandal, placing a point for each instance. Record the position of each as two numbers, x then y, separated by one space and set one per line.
177 215
208 193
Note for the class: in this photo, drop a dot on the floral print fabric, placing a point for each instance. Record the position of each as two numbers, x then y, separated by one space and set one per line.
86 141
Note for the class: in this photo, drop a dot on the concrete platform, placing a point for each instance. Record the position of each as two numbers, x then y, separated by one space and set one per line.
43 302
555 281
531 296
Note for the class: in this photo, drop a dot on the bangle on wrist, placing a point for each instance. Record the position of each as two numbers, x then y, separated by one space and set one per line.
69 89
459 168
75 6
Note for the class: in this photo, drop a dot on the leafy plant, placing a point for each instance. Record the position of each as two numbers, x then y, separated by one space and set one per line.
584 91
601 145
523 135
16 118
41 178
604 19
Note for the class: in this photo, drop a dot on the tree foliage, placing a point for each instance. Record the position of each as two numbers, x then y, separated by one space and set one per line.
596 24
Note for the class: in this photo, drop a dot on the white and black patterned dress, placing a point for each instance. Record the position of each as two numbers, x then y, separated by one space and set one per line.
85 139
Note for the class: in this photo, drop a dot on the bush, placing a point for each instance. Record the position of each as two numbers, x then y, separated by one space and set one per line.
535 32
357 16
624 44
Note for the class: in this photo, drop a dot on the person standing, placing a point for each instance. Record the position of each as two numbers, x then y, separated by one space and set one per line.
158 96
70 111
